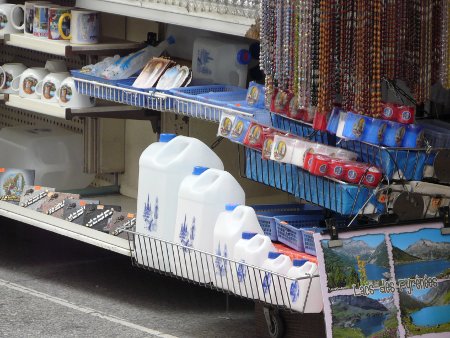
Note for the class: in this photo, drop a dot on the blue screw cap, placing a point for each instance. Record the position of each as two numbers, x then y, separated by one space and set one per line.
248 235
274 255
199 170
231 207
299 262
166 137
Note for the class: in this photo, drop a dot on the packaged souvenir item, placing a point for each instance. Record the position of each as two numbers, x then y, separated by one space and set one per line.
97 216
120 221
13 182
33 196
74 210
175 77
54 203
151 73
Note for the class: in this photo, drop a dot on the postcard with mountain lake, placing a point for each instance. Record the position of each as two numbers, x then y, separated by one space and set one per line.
386 282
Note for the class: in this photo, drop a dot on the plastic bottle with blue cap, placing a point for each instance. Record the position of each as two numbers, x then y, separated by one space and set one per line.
273 287
305 292
228 229
162 168
252 249
201 199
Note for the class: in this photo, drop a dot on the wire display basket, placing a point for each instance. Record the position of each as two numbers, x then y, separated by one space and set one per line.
225 275
396 163
343 198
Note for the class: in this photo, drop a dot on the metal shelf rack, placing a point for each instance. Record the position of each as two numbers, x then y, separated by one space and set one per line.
219 273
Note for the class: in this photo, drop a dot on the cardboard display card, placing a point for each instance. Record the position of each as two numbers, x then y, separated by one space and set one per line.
13 182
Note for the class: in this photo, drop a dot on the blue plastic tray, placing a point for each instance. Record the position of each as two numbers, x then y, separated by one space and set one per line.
267 213
290 229
141 100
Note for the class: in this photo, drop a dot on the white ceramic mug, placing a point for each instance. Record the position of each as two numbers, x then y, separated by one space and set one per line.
54 25
26 83
69 97
56 66
49 86
8 72
40 23
28 12
7 17
84 26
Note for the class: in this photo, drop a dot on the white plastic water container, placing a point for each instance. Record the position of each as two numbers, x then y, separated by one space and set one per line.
298 291
229 227
201 199
274 288
55 154
162 168
252 249
220 61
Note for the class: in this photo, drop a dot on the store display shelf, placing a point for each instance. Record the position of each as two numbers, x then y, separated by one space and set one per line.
65 48
226 275
343 198
64 228
154 100
55 110
222 23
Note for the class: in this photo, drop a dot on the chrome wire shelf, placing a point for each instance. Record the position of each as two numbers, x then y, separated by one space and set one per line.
155 100
223 274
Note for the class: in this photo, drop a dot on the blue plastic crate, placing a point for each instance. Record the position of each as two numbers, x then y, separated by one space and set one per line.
194 92
266 215
308 240
289 228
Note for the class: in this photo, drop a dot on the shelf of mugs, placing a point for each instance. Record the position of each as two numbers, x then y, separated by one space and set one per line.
68 229
170 101
226 275
65 48
177 15
55 110
343 198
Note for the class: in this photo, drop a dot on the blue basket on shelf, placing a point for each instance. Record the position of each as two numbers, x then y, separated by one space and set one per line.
97 89
266 215
290 229
395 163
194 93
224 98
303 130
133 99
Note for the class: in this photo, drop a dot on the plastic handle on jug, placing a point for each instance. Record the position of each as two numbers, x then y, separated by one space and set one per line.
238 213
4 77
310 268
172 151
207 180
256 243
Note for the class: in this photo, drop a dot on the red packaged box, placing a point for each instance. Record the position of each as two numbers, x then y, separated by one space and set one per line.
255 136
405 114
336 168
280 102
319 164
293 254
373 177
354 172
389 110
